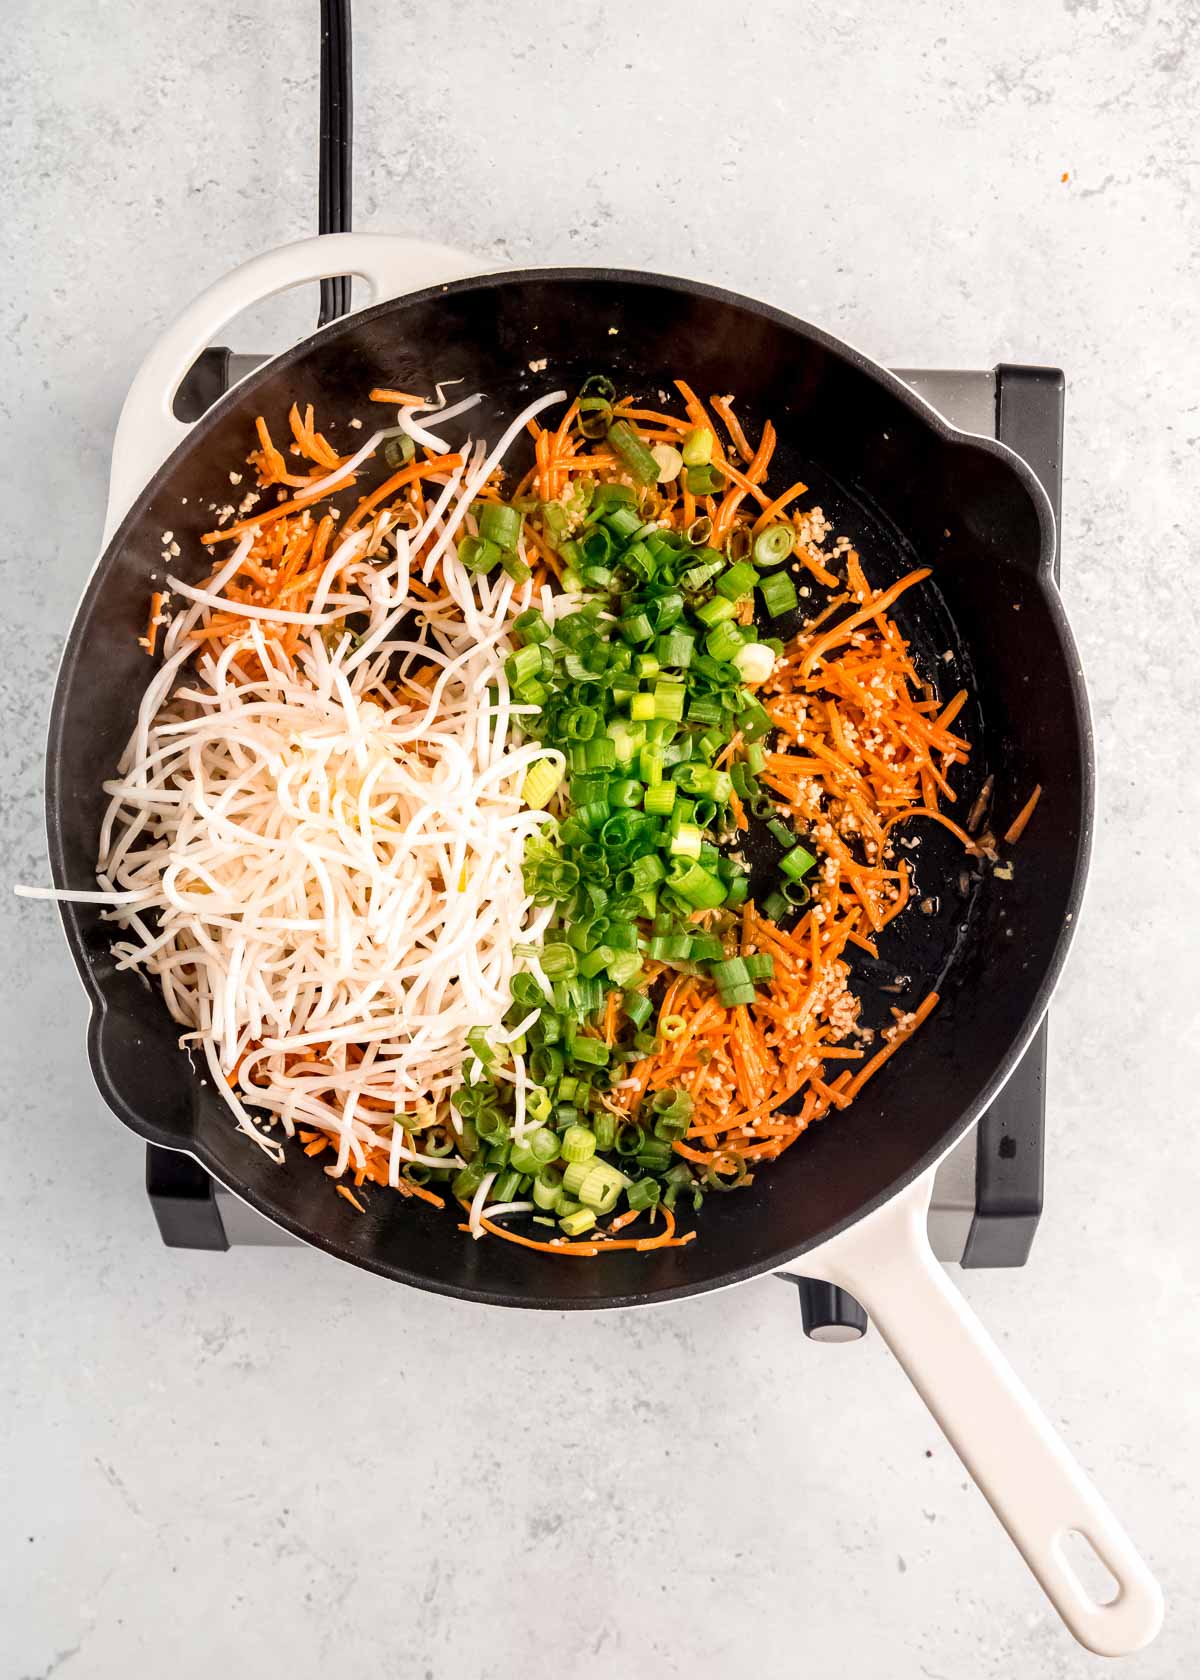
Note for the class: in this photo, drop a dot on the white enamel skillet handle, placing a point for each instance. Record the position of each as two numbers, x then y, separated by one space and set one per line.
148 431
991 1420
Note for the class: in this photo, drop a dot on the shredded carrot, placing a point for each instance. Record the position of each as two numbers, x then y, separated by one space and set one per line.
610 1020
349 1195
775 508
623 1219
407 475
900 1036
877 605
150 640
1017 827
724 407
422 1194
401 399
589 1250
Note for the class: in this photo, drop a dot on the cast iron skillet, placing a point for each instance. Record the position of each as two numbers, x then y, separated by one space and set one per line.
852 1195
892 476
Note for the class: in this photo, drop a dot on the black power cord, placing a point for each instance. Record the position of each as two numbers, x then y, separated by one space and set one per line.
337 131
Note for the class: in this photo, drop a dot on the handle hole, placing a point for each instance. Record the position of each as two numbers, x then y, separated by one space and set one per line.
264 328
1092 1575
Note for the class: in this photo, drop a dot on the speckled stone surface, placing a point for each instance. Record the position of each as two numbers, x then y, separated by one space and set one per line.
260 1463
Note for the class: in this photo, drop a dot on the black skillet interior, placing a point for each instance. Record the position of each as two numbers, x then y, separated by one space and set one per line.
889 476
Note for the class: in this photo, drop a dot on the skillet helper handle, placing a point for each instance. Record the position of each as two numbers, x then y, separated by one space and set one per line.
148 431
991 1420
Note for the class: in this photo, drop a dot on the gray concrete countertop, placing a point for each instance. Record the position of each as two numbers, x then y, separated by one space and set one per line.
262 1463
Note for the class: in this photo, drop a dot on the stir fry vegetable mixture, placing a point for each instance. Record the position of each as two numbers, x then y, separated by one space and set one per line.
674 1019
432 825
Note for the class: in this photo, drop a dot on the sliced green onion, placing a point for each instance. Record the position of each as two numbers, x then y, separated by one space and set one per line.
778 593
515 568
646 871
797 862
599 751
724 642
706 947
630 1138
623 522
739 580
547 1189
638 1007
670 947
659 799
541 783
575 1174
755 662
697 887
697 576
636 456
597 545
773 545
698 447
499 524
625 968
715 611
578 1144
538 1106
643 1194
601 1186
522 666
718 1181
531 626
590 1050
465 1183
399 451
605 497
477 554
686 841
675 648
703 481
595 416
668 460
575 1224
636 628
668 700
675 1104
604 1125
705 709
558 961
775 906
478 1045
624 793
627 739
